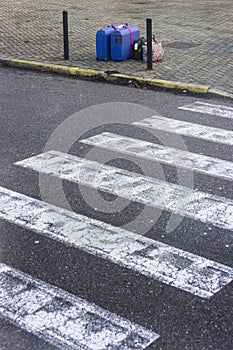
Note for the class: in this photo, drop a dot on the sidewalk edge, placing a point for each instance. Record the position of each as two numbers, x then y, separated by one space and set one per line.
113 77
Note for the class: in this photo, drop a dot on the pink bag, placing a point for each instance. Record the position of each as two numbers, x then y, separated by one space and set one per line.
157 51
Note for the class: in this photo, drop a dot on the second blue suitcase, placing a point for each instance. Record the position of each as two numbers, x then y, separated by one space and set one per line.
103 43
122 40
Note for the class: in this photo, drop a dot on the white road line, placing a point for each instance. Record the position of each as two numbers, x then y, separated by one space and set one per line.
167 155
161 262
188 129
207 108
63 319
146 190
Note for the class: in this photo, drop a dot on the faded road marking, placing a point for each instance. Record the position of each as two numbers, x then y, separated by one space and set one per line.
207 108
155 193
175 267
167 155
179 127
63 319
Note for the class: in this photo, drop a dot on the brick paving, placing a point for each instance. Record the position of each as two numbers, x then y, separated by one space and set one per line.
197 35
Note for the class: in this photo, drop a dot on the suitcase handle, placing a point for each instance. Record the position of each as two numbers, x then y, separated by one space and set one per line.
116 27
112 26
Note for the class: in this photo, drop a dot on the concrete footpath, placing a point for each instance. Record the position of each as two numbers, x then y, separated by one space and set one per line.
197 37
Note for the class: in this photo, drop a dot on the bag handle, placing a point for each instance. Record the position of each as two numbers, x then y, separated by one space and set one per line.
153 39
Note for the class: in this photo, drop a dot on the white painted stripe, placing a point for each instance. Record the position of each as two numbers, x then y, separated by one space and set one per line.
188 129
169 265
207 108
63 319
167 155
146 190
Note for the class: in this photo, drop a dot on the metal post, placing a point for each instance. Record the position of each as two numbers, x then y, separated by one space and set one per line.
149 42
65 35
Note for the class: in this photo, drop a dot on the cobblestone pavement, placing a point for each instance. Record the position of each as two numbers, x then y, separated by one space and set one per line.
197 35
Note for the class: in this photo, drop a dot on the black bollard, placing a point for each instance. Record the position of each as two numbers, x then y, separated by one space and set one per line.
149 42
65 35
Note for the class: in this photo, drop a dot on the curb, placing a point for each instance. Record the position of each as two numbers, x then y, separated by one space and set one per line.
113 77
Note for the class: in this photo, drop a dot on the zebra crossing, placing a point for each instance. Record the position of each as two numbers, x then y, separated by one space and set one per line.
67 321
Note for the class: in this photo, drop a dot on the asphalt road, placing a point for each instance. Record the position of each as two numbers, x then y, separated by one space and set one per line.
40 112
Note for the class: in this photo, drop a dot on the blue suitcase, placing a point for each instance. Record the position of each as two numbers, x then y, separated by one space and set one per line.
103 43
122 40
